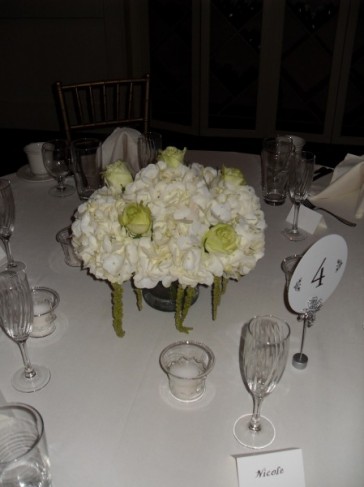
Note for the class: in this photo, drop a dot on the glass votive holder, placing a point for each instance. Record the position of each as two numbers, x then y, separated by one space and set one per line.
64 237
45 301
187 365
288 265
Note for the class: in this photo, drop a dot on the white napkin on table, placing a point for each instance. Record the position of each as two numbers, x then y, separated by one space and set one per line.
122 144
345 194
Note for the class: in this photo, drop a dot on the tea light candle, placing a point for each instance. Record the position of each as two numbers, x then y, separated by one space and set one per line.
185 381
187 365
185 370
44 303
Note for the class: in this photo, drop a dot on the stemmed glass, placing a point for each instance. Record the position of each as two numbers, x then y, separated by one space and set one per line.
7 222
57 159
16 317
299 182
264 359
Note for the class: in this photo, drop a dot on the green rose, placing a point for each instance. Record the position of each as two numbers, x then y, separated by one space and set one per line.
233 175
117 175
172 156
221 238
137 219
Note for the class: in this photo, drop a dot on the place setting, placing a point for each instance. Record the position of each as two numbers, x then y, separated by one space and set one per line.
337 192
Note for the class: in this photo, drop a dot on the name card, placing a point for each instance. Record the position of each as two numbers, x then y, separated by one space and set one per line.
273 469
308 220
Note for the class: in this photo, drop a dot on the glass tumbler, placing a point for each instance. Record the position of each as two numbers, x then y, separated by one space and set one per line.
24 459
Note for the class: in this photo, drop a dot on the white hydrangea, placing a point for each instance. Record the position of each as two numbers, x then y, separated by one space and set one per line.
184 202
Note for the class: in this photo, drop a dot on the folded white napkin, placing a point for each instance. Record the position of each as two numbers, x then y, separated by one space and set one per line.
345 193
122 144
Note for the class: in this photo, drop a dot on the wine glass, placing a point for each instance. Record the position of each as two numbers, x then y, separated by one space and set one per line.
7 221
264 358
299 182
57 158
16 316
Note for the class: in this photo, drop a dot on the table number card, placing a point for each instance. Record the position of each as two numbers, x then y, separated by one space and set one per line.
317 274
273 469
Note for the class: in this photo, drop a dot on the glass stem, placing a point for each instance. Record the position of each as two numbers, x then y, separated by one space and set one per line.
255 419
9 255
61 185
296 210
28 369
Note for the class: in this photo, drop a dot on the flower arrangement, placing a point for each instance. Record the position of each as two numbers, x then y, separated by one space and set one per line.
173 224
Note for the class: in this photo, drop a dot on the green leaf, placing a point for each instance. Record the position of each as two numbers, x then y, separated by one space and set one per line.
117 309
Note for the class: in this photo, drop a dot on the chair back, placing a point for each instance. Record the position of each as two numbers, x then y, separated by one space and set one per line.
100 104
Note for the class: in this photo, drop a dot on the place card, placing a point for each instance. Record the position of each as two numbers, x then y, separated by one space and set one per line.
308 220
282 468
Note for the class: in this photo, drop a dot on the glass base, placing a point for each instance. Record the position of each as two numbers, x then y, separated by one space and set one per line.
294 236
254 439
274 202
41 379
67 190
16 267
275 198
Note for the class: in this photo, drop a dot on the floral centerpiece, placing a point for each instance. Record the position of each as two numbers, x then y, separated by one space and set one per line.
173 224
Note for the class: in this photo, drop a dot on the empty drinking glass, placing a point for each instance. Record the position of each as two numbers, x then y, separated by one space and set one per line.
275 158
16 317
149 146
87 165
264 359
57 160
24 459
299 182
7 222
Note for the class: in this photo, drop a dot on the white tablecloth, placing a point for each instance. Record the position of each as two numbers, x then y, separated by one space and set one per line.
109 418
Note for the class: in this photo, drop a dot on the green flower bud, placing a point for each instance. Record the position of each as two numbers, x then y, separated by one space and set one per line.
221 238
233 175
172 156
117 175
137 219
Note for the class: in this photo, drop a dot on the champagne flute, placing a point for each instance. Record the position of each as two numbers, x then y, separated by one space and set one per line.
299 182
7 222
264 359
16 316
57 158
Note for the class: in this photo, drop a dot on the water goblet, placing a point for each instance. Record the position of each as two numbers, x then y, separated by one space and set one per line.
16 317
7 222
57 159
264 358
299 182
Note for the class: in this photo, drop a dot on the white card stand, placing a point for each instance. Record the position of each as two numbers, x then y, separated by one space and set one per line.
272 469
314 279
308 220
